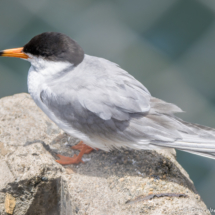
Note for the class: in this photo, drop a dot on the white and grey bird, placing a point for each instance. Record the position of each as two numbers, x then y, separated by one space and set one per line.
101 104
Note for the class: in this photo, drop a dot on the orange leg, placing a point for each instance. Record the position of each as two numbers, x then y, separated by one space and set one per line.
84 149
80 146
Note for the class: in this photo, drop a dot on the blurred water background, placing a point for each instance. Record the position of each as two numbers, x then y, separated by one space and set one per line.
168 45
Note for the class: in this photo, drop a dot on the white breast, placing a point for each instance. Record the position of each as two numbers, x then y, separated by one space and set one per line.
39 78
37 83
41 73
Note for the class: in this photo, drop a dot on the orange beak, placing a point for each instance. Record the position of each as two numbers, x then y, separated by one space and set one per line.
17 52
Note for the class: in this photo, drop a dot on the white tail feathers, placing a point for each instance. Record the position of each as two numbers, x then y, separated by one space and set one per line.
200 147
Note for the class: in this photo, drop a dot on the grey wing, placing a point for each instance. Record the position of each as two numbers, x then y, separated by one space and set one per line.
101 102
115 98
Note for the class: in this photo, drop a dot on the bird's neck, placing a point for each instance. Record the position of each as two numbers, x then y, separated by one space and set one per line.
49 68
43 72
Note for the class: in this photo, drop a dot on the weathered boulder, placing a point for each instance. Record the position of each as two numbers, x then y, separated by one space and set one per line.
118 182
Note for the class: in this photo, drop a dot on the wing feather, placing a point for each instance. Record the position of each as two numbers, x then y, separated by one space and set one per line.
108 93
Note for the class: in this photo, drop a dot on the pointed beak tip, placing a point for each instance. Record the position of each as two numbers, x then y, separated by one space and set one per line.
17 52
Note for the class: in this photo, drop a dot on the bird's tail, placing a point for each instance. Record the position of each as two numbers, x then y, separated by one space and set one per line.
200 140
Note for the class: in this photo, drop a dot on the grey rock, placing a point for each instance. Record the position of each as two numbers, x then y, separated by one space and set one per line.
103 185
6 176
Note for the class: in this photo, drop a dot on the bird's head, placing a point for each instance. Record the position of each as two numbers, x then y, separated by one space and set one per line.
49 47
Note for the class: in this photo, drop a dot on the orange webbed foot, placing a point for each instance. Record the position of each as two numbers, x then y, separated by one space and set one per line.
76 159
80 146
69 160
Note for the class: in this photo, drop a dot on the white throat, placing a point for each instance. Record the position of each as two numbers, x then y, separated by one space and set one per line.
48 68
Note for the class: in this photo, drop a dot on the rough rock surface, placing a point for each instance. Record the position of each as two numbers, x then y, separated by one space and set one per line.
108 183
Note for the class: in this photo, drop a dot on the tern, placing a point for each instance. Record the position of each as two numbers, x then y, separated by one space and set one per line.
101 104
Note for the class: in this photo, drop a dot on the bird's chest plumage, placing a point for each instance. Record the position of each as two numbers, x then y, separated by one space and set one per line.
40 75
36 84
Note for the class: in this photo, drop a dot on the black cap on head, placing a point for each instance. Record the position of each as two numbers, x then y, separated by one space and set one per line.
55 47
